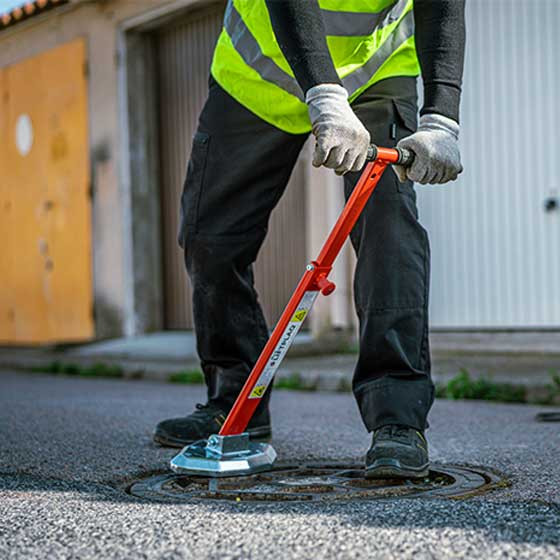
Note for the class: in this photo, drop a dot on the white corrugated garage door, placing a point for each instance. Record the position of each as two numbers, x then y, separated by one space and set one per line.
496 248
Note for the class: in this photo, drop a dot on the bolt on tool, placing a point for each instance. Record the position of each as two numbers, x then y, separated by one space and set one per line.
230 452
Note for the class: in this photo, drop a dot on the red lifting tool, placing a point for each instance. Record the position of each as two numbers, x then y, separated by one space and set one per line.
230 453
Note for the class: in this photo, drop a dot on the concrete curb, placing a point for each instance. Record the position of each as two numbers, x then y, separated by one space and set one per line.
291 372
526 359
331 373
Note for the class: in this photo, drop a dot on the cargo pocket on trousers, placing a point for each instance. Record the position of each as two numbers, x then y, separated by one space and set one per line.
405 124
190 199
406 118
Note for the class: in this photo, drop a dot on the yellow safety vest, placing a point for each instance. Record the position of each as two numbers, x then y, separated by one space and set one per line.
369 40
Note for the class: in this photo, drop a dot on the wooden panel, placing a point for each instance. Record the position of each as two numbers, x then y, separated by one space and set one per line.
45 261
184 56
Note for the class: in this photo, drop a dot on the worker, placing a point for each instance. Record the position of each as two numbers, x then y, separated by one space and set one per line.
346 71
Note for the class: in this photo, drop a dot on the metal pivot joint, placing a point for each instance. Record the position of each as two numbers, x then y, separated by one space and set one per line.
320 281
230 452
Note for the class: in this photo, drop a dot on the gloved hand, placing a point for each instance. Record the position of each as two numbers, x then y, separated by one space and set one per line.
436 148
341 139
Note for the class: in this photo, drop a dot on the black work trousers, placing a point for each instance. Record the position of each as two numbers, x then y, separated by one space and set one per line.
238 170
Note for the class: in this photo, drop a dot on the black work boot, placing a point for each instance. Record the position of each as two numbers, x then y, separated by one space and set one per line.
397 452
206 420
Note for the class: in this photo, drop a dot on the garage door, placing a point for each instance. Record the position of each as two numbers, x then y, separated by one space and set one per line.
184 55
496 232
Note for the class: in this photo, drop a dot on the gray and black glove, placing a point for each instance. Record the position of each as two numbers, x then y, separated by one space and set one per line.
341 139
436 148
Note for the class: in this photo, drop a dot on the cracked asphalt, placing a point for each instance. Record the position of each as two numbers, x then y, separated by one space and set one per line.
70 446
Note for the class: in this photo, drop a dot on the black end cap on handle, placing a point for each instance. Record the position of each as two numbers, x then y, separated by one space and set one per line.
406 157
372 152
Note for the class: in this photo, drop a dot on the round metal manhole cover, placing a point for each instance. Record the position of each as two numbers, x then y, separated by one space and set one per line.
317 482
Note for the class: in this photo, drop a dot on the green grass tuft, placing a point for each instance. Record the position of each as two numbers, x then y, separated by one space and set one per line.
551 393
293 382
52 367
101 370
555 378
95 370
463 386
190 377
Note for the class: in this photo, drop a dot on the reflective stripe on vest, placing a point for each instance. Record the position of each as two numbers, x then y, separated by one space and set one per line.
246 45
353 24
357 71
404 31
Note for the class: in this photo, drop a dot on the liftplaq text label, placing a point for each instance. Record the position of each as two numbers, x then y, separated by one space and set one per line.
283 345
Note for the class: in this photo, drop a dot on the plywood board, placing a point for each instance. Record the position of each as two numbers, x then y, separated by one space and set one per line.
45 210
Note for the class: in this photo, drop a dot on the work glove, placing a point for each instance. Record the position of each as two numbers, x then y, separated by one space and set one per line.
341 139
436 149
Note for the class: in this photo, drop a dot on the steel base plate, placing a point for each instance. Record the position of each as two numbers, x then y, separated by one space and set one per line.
221 456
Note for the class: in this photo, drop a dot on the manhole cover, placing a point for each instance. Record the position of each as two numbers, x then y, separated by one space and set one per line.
316 482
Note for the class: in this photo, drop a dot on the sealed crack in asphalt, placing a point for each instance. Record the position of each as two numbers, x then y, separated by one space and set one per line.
318 482
548 417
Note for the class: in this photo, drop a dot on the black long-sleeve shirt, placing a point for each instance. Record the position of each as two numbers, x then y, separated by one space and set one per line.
440 45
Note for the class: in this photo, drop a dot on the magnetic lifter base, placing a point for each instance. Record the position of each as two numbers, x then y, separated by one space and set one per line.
224 456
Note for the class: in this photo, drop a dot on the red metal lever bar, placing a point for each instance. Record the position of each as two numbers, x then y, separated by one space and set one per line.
314 280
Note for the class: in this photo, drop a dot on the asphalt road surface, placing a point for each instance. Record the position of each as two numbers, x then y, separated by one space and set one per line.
69 447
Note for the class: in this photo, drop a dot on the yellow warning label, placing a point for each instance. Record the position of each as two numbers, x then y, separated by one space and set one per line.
299 316
258 391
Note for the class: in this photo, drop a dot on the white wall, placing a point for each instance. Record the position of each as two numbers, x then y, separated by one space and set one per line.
496 252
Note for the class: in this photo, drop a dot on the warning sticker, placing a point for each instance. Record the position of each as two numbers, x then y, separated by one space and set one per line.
299 316
283 344
258 392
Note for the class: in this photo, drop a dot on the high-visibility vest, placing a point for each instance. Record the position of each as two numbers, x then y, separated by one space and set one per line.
369 40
